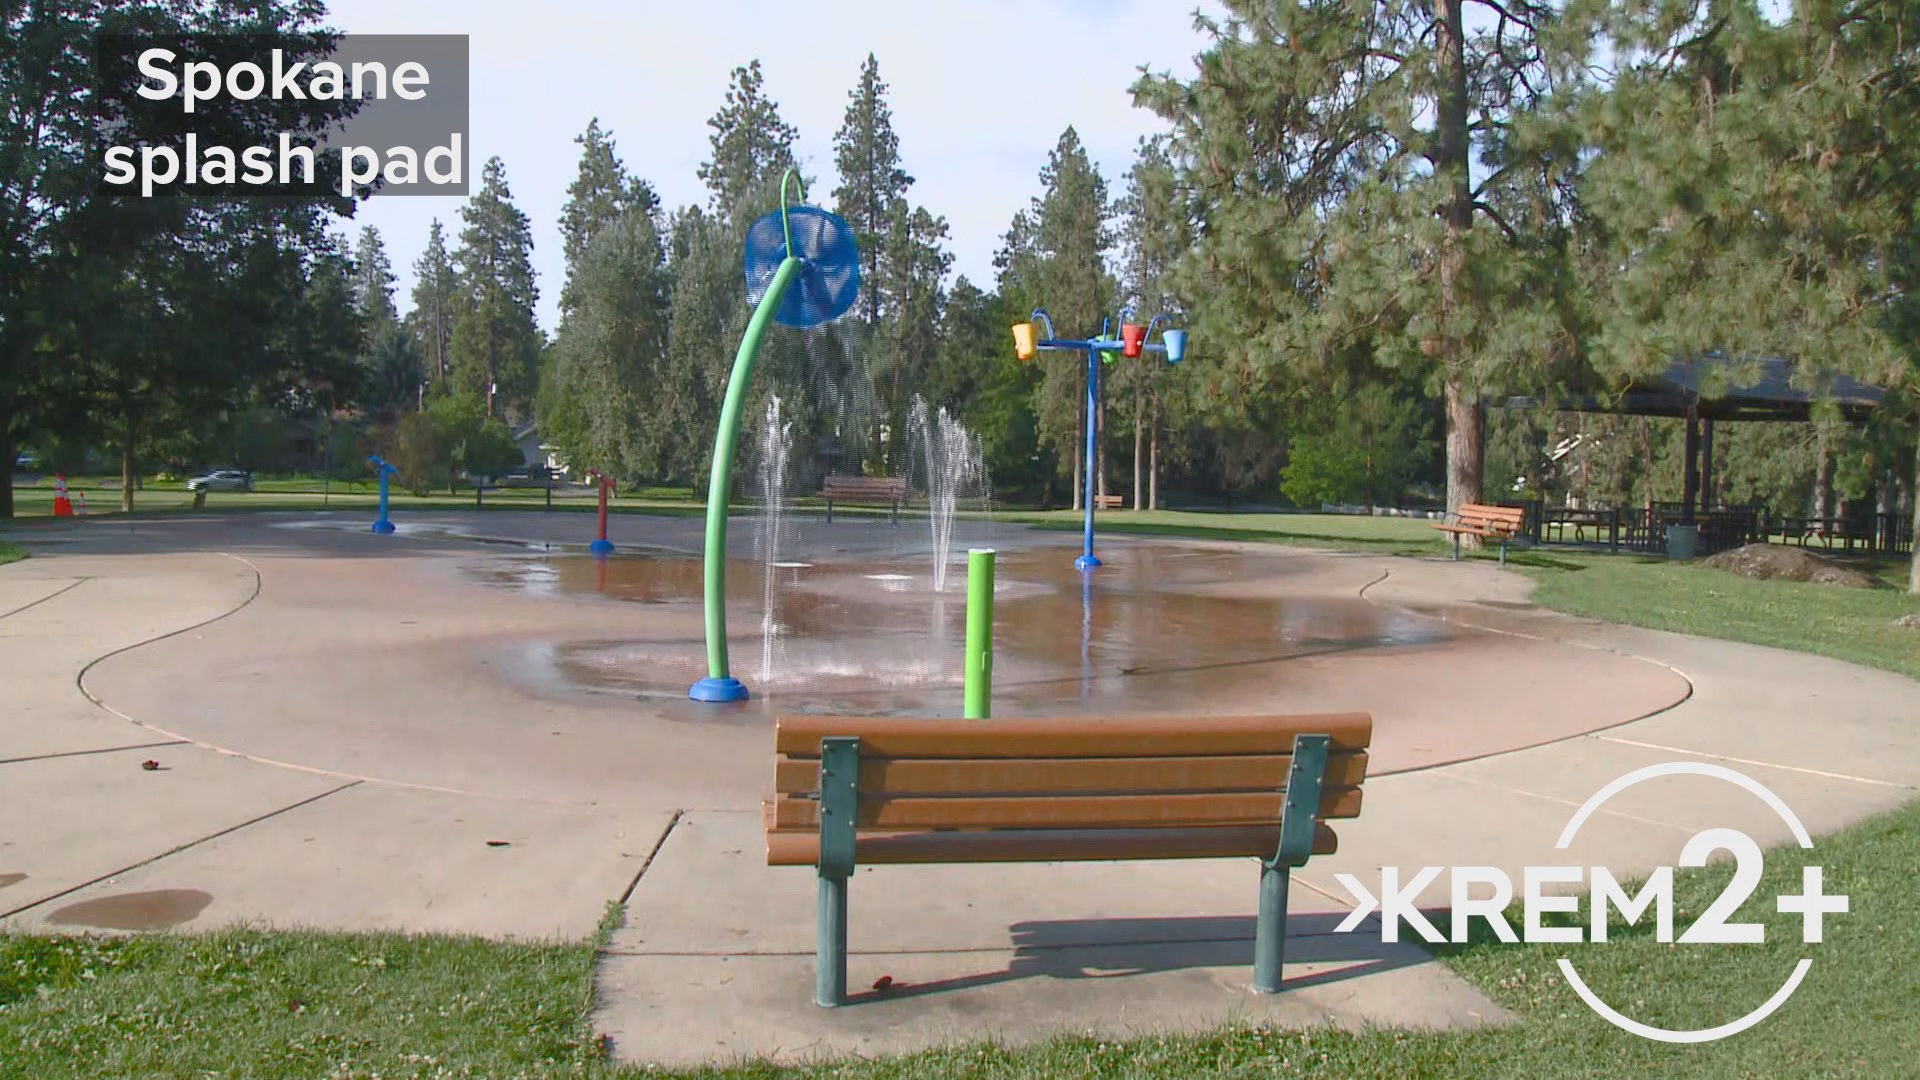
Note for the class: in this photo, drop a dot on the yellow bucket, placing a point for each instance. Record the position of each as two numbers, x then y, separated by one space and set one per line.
1023 340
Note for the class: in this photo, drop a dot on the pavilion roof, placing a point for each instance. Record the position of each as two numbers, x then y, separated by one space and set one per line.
1725 388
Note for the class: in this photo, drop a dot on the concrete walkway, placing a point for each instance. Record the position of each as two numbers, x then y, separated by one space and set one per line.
344 740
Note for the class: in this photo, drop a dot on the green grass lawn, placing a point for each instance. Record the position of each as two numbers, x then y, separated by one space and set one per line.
1379 535
1690 598
11 553
159 497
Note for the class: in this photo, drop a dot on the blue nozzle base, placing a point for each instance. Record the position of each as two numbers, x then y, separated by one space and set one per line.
718 691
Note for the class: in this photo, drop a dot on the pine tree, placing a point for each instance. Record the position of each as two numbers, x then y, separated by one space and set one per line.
1054 256
751 145
388 364
872 184
1333 148
373 279
495 347
601 399
601 193
434 297
1156 235
706 313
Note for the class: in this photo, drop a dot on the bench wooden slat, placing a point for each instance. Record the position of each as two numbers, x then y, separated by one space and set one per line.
1085 776
1077 737
863 487
884 811
802 848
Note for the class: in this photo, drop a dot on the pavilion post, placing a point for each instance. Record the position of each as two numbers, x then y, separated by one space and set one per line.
1706 463
1690 485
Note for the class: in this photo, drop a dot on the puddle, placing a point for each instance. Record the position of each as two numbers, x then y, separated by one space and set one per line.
1156 627
155 910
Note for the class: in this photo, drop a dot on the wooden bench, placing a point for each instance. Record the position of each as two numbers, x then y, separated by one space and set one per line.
884 790
1500 523
887 491
1109 502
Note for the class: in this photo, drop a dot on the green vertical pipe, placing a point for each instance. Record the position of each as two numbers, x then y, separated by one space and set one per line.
830 943
1270 928
979 677
720 480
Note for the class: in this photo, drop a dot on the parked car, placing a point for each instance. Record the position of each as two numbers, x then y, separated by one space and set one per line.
222 480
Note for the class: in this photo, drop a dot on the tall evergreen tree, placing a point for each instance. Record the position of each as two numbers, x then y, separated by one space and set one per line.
1156 234
388 364
601 399
867 154
373 279
435 286
601 193
1368 174
495 349
706 312
1054 255
751 145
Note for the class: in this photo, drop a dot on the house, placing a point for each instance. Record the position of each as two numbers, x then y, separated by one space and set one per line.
536 454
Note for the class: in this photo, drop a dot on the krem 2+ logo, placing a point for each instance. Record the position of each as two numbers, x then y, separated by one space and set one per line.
1395 902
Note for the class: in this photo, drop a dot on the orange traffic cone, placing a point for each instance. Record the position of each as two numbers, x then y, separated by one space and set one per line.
62 505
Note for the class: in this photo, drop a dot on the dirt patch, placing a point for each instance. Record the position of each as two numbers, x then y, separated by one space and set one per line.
1908 622
1777 562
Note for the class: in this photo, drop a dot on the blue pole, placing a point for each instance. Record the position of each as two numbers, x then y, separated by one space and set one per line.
385 470
1087 560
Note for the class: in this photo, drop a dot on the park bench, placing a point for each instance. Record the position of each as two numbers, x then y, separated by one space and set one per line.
1109 502
887 491
852 791
1501 523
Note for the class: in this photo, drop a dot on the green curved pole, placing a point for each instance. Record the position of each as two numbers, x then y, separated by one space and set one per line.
719 483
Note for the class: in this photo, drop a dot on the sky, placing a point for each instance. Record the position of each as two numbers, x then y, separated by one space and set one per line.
981 90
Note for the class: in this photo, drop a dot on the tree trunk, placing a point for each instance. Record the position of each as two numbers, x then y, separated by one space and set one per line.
129 467
1913 496
1139 436
1823 479
1100 450
7 451
1464 451
1079 440
1153 457
1464 415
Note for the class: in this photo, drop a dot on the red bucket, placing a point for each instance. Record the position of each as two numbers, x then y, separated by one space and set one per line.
1131 338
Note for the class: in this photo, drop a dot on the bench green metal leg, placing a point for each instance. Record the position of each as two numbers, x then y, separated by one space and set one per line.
1503 553
830 944
1270 932
829 511
1298 817
1456 547
839 802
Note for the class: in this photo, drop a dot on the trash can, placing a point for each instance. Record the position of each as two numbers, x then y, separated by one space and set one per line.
200 499
1680 539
